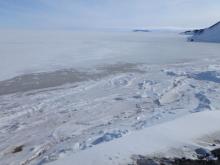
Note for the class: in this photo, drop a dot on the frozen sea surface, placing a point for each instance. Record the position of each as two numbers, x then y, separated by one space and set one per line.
65 92
25 52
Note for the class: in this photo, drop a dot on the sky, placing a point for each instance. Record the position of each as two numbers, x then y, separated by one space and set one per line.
67 14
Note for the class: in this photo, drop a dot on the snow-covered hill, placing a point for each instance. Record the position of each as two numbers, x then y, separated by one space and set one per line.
211 34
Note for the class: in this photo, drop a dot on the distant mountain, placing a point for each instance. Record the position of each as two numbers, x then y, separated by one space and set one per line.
141 30
210 34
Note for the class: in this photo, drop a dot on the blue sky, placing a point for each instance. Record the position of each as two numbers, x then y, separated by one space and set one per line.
108 13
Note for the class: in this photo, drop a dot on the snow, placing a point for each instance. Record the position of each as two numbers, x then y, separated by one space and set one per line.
211 34
158 138
70 119
89 97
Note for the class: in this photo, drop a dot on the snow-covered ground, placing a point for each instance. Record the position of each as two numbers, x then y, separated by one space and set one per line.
180 133
105 114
